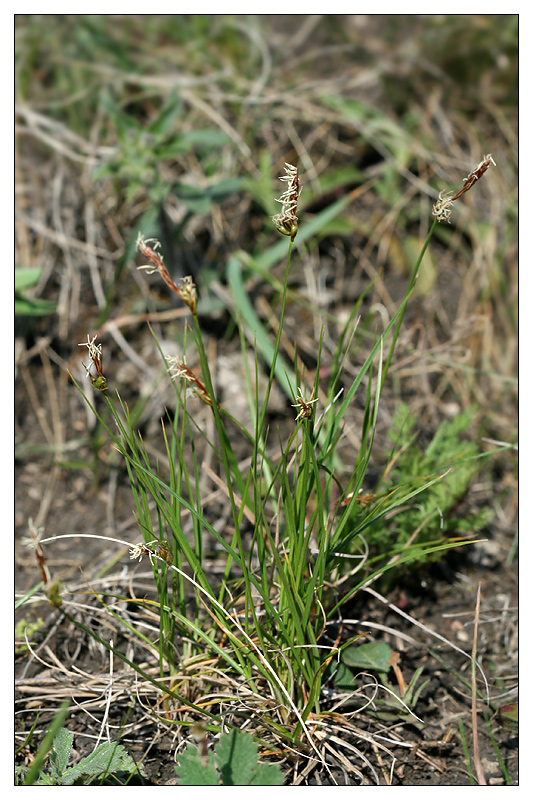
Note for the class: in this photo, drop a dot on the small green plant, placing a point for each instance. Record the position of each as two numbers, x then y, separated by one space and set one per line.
234 762
426 483
24 629
392 700
137 164
109 763
448 452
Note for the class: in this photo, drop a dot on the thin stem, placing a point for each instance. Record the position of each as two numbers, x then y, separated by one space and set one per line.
411 286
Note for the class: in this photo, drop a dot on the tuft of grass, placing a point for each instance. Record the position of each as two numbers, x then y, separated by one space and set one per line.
285 553
284 569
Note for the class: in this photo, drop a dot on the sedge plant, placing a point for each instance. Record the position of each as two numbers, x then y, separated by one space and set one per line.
285 553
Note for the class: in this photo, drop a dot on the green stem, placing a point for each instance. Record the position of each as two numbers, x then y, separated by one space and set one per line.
408 293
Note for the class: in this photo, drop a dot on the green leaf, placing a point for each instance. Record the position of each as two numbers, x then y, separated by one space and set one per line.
46 780
374 655
205 140
108 758
35 767
413 692
195 197
26 277
344 678
61 752
236 756
508 716
200 198
224 188
195 770
166 118
33 308
234 763
284 374
124 123
267 775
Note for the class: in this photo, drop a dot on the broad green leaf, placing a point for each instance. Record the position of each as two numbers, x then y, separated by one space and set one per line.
224 188
108 758
195 770
267 775
374 655
344 678
236 756
207 139
46 745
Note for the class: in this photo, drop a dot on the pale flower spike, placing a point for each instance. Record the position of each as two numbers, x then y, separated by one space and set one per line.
142 549
286 221
95 353
443 207
34 539
179 369
138 551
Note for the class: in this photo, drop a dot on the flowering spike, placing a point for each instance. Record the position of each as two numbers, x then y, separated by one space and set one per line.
443 206
305 406
179 369
286 221
142 549
186 292
95 353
